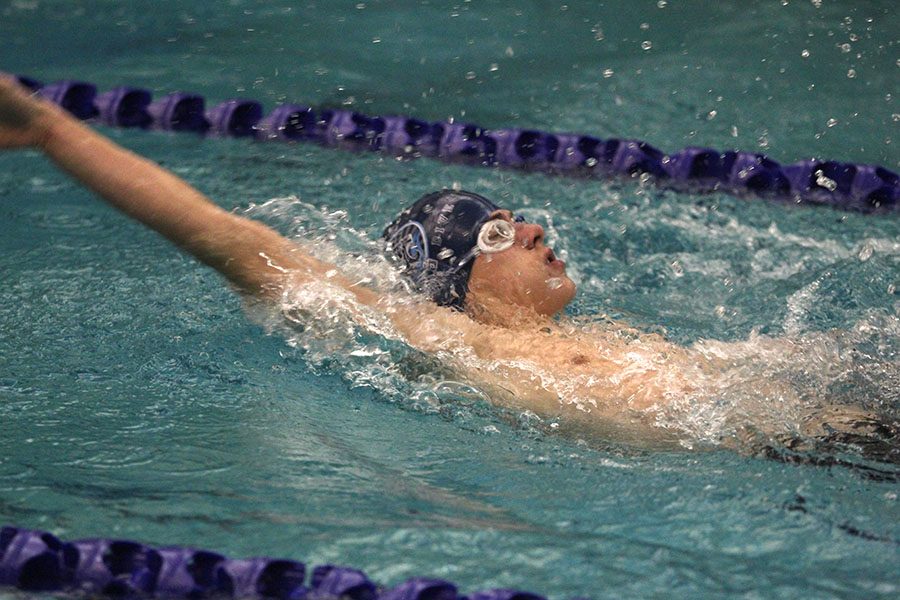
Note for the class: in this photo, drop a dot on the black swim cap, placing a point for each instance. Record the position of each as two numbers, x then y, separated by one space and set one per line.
434 238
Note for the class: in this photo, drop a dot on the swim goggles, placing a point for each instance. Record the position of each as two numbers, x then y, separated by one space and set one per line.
496 236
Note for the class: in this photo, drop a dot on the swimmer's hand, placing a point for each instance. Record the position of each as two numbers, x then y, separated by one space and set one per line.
23 116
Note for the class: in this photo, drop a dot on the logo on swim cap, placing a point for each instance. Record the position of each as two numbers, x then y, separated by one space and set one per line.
413 242
434 240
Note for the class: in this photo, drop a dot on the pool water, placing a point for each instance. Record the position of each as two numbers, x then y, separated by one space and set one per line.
139 398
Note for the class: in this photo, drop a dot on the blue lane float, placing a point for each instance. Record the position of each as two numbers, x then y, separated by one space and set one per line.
847 186
37 561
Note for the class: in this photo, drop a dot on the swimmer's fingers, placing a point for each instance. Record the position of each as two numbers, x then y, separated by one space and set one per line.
23 116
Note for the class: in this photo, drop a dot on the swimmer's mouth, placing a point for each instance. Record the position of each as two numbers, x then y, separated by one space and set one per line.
551 259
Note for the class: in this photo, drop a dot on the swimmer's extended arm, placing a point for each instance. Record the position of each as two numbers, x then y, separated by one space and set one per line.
252 256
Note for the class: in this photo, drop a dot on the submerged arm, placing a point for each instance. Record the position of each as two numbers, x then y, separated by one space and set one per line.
253 257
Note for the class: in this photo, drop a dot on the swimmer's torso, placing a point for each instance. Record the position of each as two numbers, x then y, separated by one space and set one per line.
609 373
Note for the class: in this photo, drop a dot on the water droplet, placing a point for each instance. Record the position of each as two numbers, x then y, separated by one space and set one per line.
646 45
711 115
832 122
494 67
376 40
805 53
825 182
607 73
865 253
645 26
554 283
470 75
851 73
662 4
845 47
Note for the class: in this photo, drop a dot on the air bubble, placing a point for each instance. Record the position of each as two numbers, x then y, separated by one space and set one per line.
832 122
851 74
646 45
607 73
805 53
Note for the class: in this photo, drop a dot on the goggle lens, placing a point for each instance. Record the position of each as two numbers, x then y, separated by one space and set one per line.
496 236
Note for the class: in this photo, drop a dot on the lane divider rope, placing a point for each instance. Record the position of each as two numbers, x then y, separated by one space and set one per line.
37 561
841 185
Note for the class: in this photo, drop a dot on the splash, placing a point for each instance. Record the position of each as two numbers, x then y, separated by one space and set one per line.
584 374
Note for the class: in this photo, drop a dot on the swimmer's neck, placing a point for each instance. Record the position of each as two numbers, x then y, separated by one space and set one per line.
497 313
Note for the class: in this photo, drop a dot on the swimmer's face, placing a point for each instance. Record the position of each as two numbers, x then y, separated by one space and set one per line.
527 274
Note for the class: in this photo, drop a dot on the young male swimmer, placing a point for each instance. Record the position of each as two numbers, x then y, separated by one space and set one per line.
492 289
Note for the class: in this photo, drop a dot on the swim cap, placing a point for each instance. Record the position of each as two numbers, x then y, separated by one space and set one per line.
434 239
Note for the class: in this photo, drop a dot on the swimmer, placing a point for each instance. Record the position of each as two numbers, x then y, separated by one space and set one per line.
490 289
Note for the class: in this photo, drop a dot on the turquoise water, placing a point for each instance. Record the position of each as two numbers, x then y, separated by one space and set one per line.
140 400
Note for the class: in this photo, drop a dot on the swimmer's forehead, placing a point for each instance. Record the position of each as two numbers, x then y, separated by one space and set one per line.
507 214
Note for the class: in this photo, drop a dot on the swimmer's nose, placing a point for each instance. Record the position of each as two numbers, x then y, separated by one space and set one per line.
529 234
